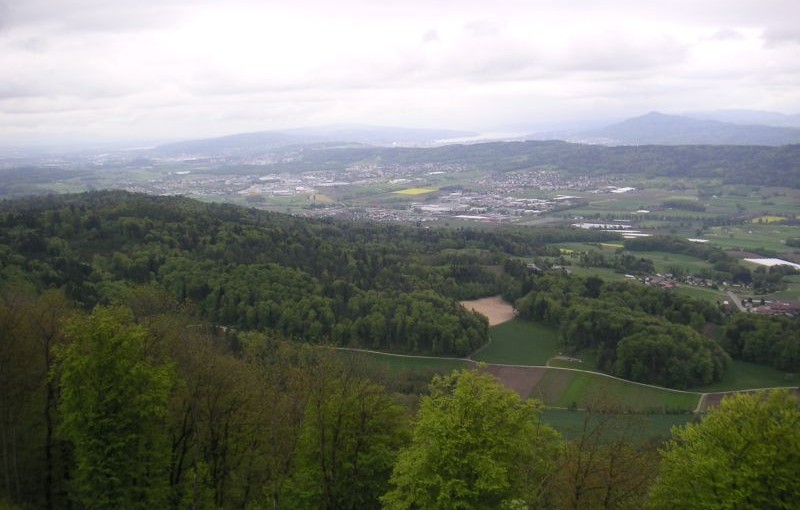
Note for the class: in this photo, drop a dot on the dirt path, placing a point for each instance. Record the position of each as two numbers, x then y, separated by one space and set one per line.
523 379
494 308
709 400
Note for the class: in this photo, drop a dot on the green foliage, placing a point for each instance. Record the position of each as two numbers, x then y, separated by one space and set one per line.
673 355
685 204
31 456
475 445
638 332
349 440
388 287
623 263
605 465
725 267
114 402
7 505
772 341
744 455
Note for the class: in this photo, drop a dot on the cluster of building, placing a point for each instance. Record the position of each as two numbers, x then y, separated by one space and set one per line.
545 180
772 308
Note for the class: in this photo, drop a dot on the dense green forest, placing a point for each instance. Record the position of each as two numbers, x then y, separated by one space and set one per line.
648 335
143 407
379 286
158 352
388 287
724 267
639 333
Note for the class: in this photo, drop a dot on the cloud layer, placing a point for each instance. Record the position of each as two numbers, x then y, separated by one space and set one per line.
93 69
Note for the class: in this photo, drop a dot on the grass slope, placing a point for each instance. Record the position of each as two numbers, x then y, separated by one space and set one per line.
393 363
568 388
520 342
646 427
410 376
744 376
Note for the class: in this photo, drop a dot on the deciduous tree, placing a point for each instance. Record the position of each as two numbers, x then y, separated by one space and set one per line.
743 456
114 401
476 445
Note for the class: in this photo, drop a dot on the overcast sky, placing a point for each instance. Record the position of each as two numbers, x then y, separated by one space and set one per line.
149 69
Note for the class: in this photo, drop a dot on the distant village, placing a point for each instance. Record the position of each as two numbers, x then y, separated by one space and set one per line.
502 197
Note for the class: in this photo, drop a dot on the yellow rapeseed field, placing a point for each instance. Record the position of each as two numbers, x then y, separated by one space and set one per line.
768 219
414 191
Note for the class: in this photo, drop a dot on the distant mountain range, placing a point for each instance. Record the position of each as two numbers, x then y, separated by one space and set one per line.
740 127
266 141
657 128
764 118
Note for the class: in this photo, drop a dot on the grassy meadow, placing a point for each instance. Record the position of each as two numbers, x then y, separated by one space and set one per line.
520 342
744 376
570 388
641 427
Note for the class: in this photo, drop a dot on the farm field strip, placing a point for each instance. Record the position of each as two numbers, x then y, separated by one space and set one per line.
572 388
570 423
556 387
524 366
414 191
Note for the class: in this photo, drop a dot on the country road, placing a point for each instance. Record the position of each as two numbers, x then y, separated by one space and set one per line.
737 301
501 371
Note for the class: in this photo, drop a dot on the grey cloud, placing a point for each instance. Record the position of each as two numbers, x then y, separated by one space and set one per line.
778 35
482 29
615 53
120 68
16 90
3 15
93 15
752 13
430 36
727 34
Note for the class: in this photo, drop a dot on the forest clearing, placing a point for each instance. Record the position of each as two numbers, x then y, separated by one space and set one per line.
495 308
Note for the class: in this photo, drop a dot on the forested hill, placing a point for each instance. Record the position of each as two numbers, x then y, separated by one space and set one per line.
137 405
389 287
776 166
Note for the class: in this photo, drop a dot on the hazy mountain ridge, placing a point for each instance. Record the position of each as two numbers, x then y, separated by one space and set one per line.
265 141
656 128
765 118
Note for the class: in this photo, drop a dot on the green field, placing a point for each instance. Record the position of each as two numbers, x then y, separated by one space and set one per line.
603 272
394 363
664 261
570 388
792 293
744 376
645 427
704 293
753 236
609 247
406 375
756 204
520 342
